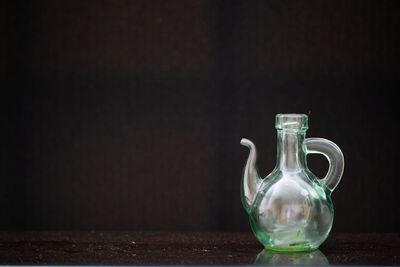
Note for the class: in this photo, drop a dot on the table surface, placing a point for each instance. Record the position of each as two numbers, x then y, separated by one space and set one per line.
188 248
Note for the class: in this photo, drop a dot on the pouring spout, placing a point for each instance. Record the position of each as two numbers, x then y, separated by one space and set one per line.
250 179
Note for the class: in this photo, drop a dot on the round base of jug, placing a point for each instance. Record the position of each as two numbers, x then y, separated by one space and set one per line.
290 249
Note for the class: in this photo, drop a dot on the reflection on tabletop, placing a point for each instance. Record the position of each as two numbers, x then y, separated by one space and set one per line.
268 257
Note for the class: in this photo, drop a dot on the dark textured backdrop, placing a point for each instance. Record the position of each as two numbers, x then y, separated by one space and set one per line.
127 115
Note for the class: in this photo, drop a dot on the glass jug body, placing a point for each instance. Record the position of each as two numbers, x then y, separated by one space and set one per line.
291 209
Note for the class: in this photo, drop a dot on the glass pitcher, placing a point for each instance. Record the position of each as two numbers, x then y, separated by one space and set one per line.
291 209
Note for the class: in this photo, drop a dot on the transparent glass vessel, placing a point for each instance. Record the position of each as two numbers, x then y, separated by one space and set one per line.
291 209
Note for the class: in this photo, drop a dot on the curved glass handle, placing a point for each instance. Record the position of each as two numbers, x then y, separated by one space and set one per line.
334 155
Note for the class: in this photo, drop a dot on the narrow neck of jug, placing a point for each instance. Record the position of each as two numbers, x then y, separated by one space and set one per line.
291 156
291 134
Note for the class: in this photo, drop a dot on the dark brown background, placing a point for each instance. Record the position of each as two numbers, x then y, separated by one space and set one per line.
127 115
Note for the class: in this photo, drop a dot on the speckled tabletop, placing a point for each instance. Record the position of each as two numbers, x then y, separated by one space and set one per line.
188 248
